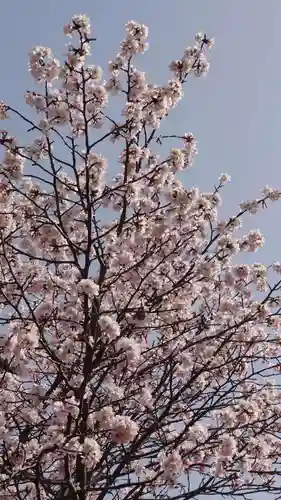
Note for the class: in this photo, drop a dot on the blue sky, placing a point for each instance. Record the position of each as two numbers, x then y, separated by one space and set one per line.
234 113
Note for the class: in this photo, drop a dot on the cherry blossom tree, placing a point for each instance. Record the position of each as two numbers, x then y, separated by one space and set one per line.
139 358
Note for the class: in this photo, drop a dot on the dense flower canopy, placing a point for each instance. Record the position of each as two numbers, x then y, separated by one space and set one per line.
137 358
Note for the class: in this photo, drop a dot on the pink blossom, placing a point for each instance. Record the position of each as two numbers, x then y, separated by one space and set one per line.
92 452
106 417
124 430
3 111
89 287
228 448
109 327
172 465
